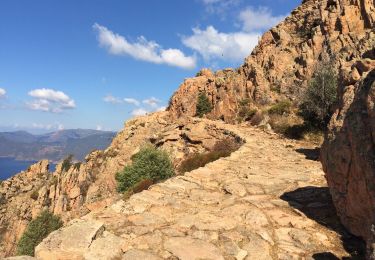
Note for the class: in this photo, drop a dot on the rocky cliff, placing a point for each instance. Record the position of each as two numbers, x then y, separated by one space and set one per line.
80 188
236 207
285 58
348 153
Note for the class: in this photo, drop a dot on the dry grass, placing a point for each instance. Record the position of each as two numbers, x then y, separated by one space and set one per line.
139 187
293 127
221 149
257 118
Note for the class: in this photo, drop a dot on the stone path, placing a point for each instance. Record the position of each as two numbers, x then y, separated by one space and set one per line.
259 203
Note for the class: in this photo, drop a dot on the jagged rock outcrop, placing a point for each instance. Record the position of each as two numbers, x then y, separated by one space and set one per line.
348 152
285 58
84 187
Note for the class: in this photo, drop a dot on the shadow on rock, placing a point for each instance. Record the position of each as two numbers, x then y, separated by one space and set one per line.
311 154
325 256
316 203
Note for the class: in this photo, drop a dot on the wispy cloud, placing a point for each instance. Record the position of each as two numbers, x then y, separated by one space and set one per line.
258 19
140 108
139 112
152 102
49 100
56 126
219 6
111 99
2 92
132 101
142 49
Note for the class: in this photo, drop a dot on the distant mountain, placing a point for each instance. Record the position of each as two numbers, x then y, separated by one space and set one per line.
53 146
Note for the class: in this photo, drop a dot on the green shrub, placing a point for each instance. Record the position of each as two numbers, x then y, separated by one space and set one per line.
219 81
67 163
203 105
36 231
283 107
245 113
148 164
77 166
319 97
245 102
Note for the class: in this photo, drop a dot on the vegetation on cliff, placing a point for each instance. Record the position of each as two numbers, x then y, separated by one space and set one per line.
36 231
319 97
203 105
148 165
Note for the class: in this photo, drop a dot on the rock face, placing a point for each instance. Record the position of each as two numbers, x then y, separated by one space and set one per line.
348 153
285 58
251 205
81 188
230 209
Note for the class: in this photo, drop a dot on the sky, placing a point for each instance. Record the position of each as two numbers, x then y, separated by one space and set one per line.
96 63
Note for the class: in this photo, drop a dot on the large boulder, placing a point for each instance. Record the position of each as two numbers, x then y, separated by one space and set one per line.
348 154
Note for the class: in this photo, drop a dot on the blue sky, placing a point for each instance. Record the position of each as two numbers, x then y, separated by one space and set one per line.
95 63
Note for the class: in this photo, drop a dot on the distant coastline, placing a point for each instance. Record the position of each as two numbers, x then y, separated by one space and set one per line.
11 166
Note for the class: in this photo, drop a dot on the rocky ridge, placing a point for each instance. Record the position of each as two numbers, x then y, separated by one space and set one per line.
91 185
266 191
285 58
273 204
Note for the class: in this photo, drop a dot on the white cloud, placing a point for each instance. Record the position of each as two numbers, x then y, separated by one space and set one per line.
142 49
211 43
56 126
132 101
139 112
49 100
258 19
2 92
233 46
99 128
152 102
162 108
111 99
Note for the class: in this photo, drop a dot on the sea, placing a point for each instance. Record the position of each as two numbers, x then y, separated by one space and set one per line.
10 167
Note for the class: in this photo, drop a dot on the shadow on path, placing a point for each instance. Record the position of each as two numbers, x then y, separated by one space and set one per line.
311 154
316 203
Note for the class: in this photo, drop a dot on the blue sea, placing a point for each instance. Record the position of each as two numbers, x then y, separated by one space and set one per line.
10 166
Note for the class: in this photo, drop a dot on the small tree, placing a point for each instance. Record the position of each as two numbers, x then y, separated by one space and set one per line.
203 105
319 97
36 231
148 164
67 163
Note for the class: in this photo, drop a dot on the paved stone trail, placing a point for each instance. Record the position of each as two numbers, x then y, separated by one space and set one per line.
262 202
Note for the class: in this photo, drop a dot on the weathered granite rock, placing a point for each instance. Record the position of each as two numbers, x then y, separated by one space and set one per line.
284 59
91 186
193 216
72 241
348 154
